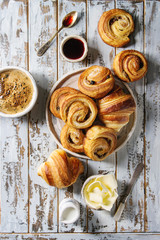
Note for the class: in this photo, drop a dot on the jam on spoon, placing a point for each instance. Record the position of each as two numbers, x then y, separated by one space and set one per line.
67 21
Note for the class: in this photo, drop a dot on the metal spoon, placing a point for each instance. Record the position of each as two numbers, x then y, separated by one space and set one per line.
65 24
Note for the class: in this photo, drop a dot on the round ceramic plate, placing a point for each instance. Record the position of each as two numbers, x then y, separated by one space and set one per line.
55 124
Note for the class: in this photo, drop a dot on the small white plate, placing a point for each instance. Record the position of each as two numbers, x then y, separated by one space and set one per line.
55 124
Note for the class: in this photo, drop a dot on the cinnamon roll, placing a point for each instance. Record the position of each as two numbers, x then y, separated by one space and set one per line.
56 97
78 110
99 142
115 109
115 26
96 81
130 65
72 139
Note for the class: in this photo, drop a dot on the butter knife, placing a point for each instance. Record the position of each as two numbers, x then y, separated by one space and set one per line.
135 176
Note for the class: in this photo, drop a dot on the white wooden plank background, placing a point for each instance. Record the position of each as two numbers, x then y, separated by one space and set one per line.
133 152
43 199
81 236
14 132
152 116
28 204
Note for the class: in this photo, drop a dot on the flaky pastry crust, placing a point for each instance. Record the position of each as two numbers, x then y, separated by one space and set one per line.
60 170
99 142
72 139
78 110
115 26
56 98
96 81
115 109
130 65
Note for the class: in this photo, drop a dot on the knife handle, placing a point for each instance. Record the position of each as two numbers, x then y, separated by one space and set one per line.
119 211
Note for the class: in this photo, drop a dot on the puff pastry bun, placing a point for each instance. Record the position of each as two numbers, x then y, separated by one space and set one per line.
115 109
115 26
99 142
60 170
72 138
96 81
130 65
56 98
78 110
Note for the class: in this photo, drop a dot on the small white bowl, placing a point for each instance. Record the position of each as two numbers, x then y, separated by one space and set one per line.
34 97
86 182
85 48
83 186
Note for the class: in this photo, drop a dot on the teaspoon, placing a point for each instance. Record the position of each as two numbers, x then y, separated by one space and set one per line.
67 22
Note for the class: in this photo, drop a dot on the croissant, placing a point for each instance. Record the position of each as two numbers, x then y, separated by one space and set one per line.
78 110
96 81
60 170
115 109
56 97
72 138
130 65
115 26
99 142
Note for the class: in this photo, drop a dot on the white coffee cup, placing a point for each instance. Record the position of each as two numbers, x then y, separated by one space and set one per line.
34 97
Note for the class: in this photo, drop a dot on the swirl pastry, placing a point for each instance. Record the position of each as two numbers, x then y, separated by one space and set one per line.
72 138
60 170
130 65
115 109
99 142
115 26
56 97
96 81
78 110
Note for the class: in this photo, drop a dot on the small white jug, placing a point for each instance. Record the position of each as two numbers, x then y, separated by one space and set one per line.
69 210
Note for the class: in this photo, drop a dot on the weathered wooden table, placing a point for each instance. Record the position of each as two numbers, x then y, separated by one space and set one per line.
29 207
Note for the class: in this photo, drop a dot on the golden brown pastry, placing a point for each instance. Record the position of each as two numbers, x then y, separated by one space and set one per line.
60 170
56 97
115 26
99 142
96 81
78 110
130 65
72 139
115 109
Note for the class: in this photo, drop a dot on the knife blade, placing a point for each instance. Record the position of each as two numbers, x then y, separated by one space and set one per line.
134 178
